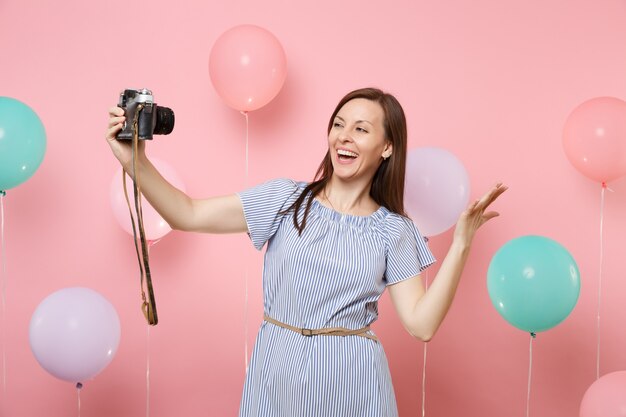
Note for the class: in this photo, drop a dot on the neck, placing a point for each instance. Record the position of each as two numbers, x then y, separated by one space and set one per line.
349 198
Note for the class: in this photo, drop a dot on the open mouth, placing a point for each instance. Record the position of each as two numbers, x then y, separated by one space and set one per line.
345 155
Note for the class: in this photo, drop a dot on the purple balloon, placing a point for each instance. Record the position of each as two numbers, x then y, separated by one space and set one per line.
74 333
436 189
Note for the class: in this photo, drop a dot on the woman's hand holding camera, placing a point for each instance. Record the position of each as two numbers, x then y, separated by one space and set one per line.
122 149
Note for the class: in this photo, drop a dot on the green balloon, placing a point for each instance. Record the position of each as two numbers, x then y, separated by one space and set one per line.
533 282
22 142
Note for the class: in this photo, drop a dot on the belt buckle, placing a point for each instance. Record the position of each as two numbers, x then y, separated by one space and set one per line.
306 332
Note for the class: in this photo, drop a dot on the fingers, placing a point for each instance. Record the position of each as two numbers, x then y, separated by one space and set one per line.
490 215
116 122
113 130
116 116
116 111
491 196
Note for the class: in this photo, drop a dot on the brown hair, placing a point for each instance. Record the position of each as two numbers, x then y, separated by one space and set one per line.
388 183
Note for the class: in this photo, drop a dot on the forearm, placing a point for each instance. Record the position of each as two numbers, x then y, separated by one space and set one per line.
222 214
173 205
431 308
422 312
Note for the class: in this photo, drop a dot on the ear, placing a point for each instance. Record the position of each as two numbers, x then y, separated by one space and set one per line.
388 150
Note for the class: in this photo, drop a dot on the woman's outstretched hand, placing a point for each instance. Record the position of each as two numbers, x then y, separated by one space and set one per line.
476 215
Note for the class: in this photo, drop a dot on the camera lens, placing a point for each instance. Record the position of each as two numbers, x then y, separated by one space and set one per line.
164 121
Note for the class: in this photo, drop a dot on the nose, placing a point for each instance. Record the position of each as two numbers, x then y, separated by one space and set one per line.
344 136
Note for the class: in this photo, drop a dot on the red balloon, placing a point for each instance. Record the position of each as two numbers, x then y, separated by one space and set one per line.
606 397
248 67
594 138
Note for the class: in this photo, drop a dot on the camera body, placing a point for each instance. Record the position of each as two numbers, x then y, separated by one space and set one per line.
152 119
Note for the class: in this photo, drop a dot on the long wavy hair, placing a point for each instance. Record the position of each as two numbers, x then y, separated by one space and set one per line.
388 183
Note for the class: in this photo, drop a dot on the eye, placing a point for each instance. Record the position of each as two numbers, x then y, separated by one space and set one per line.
360 129
337 124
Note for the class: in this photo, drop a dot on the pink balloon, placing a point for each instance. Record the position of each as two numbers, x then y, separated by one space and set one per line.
74 333
436 189
606 397
154 225
248 67
594 138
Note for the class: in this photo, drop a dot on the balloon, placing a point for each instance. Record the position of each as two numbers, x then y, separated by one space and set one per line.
248 67
154 225
594 138
436 189
533 282
22 142
74 333
606 397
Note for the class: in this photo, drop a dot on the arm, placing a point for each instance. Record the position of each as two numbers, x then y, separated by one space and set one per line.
421 312
212 215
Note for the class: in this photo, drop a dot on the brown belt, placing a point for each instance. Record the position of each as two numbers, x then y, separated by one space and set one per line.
326 331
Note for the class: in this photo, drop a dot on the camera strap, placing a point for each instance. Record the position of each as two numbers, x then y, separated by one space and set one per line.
148 305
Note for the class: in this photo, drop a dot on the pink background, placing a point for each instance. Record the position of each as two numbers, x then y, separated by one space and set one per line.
492 81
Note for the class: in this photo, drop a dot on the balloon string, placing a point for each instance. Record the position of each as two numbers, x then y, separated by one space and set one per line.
245 113
3 256
245 311
150 244
79 386
424 365
148 372
530 368
602 192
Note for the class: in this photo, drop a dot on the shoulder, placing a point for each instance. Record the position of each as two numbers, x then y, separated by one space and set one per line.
280 183
395 222
396 227
277 186
273 195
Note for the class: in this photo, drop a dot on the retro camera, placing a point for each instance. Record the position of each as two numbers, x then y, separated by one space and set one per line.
152 119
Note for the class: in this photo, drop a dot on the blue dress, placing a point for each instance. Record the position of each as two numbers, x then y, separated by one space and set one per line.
330 276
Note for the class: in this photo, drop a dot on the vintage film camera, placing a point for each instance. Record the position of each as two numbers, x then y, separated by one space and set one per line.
153 119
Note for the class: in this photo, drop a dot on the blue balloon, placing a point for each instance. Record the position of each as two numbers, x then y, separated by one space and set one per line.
22 142
533 282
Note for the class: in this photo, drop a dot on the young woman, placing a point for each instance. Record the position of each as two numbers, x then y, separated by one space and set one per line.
332 247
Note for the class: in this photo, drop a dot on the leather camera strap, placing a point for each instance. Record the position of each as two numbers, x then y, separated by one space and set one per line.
148 306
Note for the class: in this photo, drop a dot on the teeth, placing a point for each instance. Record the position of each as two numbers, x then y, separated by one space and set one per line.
343 152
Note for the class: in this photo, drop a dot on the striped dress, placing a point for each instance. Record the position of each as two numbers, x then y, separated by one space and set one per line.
330 276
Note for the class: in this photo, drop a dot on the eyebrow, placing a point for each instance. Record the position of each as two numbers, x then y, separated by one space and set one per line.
358 121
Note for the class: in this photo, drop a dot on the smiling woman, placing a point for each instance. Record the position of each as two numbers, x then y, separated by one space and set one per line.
369 126
333 246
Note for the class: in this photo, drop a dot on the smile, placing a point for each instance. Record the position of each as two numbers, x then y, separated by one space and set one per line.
345 154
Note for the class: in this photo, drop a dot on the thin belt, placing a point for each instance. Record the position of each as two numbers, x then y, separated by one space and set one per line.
326 331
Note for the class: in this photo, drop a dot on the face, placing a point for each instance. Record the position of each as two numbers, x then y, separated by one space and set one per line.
357 141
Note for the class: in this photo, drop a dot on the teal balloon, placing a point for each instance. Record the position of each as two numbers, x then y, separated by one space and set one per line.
22 142
533 282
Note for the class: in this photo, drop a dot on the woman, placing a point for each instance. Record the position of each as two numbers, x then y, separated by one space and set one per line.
333 246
